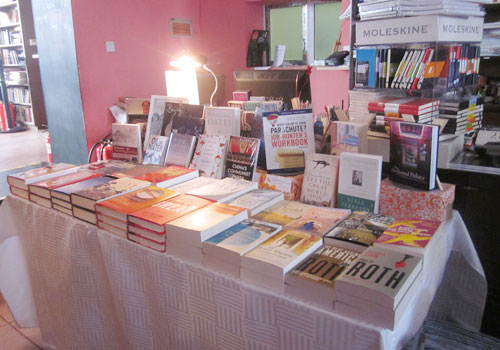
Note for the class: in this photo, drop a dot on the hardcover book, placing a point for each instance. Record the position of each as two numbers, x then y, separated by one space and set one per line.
169 176
87 198
257 200
194 228
42 188
359 181
288 137
223 121
348 137
283 212
413 154
188 125
318 220
277 255
157 215
414 106
320 180
379 275
359 230
119 207
63 193
224 190
210 155
127 144
23 179
180 150
241 158
156 150
136 170
108 167
182 110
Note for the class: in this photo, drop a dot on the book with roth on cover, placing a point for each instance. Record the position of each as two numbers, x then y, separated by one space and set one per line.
210 155
359 181
414 154
156 150
241 158
180 149
320 180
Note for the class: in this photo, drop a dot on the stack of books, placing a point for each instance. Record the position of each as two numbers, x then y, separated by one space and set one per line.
147 226
169 176
378 286
387 110
112 213
464 114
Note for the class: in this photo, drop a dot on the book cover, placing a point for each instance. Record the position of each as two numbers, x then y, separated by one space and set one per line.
366 67
409 233
23 179
244 236
288 137
289 185
283 212
359 181
135 200
43 188
171 175
105 190
210 155
257 200
224 121
283 250
241 158
380 275
136 170
156 150
127 143
323 266
180 150
320 180
414 154
167 210
181 110
361 227
188 125
224 190
348 137
64 192
108 166
318 220
195 183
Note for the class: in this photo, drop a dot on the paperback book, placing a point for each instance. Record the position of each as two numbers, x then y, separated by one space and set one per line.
348 137
175 113
43 188
169 176
283 212
288 137
210 156
193 184
127 143
241 158
63 193
23 179
223 121
359 181
414 154
224 190
318 220
257 200
320 180
180 150
156 150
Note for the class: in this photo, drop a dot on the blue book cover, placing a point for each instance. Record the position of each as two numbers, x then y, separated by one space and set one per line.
366 62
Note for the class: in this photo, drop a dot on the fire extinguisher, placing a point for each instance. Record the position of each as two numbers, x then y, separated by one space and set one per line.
50 158
103 148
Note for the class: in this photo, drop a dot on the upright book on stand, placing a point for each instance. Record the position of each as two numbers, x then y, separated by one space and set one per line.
241 158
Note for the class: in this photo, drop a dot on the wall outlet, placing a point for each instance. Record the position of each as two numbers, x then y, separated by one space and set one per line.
110 46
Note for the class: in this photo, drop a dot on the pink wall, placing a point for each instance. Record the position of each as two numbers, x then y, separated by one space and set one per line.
144 48
331 86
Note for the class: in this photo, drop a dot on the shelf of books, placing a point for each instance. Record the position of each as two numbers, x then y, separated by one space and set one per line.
418 63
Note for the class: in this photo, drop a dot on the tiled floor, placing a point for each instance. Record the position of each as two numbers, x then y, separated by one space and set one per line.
14 338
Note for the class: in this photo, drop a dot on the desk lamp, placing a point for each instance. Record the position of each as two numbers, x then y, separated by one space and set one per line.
192 61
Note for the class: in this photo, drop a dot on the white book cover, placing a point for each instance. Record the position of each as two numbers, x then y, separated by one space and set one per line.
288 137
348 137
210 155
155 150
180 150
359 181
193 184
320 180
224 121
224 190
127 143
257 200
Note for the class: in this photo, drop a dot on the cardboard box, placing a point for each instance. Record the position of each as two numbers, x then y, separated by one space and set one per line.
291 186
404 202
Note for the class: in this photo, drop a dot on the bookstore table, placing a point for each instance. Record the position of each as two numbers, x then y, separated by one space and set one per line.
88 289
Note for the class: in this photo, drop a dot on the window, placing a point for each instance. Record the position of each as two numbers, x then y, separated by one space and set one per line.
309 31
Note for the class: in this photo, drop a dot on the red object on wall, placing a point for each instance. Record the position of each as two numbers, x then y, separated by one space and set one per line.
50 158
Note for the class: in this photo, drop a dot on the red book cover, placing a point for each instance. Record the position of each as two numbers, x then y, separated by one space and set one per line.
409 233
136 200
3 118
171 209
403 105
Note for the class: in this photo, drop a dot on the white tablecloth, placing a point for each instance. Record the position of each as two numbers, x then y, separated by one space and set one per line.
87 289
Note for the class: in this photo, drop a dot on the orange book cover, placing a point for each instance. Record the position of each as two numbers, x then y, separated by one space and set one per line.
173 208
167 173
136 200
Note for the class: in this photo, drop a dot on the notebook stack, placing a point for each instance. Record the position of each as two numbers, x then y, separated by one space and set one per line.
147 226
464 114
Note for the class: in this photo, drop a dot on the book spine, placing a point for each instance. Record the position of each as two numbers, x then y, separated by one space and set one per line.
400 69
